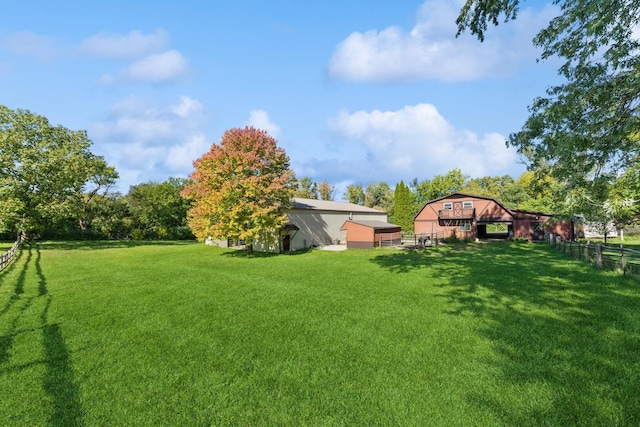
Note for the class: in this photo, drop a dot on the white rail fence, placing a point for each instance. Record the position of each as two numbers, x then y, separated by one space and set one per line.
7 257
607 257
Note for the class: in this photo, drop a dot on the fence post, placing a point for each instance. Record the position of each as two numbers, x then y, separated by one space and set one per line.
579 251
599 255
622 260
586 251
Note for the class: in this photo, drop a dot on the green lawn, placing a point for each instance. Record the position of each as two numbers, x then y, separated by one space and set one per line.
631 240
185 334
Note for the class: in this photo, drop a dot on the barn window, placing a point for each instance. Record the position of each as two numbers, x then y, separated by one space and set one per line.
467 205
465 226
447 205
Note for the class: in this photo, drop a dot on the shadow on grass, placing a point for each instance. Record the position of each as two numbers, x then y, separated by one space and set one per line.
58 381
11 267
563 334
19 286
108 244
241 253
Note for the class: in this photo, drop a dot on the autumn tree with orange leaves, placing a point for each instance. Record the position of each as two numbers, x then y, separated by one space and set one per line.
240 188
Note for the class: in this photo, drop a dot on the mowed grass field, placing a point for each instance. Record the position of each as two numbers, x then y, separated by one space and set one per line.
182 334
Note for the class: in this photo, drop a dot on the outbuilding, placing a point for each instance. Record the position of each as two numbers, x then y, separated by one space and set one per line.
364 234
313 223
468 216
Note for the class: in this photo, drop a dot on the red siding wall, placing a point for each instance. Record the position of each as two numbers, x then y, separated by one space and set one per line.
426 222
524 224
360 236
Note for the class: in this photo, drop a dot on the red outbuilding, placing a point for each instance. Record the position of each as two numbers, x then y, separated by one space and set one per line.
467 216
364 234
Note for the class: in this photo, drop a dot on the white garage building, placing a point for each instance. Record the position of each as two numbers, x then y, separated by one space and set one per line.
314 223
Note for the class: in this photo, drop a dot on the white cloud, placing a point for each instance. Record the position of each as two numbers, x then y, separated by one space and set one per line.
130 46
147 141
415 141
431 50
187 107
27 43
158 68
181 156
260 119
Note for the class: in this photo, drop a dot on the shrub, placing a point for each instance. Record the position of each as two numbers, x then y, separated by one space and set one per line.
137 234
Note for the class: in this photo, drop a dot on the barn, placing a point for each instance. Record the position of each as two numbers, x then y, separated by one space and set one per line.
370 234
468 217
314 223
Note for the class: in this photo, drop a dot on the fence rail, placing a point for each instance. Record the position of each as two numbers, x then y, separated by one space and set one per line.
606 257
422 240
390 239
7 257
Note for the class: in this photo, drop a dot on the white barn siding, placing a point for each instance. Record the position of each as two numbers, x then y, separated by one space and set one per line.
318 223
268 243
318 228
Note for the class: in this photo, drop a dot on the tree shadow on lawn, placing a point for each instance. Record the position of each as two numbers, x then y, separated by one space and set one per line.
58 381
107 244
564 336
241 253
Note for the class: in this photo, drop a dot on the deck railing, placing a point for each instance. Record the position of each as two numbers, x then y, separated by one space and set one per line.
456 213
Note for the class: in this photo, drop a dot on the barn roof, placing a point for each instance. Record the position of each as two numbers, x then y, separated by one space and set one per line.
463 195
523 211
376 225
330 205
512 212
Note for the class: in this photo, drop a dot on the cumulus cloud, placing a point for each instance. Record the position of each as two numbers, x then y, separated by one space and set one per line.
158 68
27 43
431 50
136 44
182 155
260 119
152 60
147 141
416 141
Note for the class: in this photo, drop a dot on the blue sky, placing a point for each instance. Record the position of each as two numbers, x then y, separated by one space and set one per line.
355 91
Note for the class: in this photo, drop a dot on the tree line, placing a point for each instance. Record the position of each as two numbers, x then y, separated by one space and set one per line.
53 187
581 145
531 191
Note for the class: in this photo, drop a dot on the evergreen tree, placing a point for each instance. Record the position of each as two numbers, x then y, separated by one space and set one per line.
402 211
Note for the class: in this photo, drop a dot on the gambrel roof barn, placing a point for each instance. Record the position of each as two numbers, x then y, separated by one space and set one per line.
468 216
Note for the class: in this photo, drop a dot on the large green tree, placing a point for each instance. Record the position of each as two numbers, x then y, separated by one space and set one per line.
109 216
157 207
240 188
586 126
624 199
380 196
46 172
306 188
354 194
440 186
403 212
544 193
326 190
